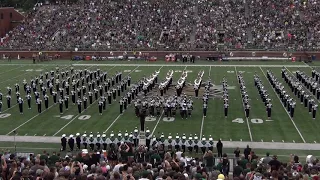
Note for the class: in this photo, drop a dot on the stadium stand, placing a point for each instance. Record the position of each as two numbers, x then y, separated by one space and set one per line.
173 24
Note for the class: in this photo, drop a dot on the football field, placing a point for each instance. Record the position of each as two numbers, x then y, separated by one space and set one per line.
236 127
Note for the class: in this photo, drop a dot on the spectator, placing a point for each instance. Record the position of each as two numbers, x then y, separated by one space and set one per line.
237 170
209 161
266 159
247 152
274 163
237 153
219 148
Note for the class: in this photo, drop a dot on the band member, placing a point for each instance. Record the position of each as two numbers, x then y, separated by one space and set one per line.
203 145
54 95
71 142
205 106
79 102
90 97
109 97
98 141
78 141
66 102
39 101
121 106
73 97
190 144
247 110
196 90
95 94
314 111
292 106
46 101
114 91
100 104
9 101
226 106
63 142
20 101
183 143
269 106
85 140
85 100
29 100
61 106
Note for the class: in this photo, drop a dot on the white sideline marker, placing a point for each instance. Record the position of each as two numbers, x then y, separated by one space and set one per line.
13 69
294 124
155 127
250 134
201 129
30 119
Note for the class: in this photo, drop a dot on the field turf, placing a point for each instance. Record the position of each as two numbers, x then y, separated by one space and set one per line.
281 128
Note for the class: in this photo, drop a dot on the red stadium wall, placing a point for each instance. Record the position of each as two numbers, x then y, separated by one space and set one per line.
9 19
159 54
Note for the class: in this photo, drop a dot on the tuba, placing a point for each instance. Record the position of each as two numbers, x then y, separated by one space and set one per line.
197 81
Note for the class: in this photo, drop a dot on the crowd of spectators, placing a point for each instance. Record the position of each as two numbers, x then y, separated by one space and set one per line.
169 24
157 163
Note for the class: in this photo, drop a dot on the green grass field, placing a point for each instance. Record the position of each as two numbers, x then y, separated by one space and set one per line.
50 123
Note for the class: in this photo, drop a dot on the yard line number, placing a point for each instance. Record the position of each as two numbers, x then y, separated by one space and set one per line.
5 115
254 121
83 117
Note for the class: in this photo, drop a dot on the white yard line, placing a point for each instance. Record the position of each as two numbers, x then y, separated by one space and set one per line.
155 127
210 71
30 119
294 124
114 121
201 129
249 129
11 70
18 76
